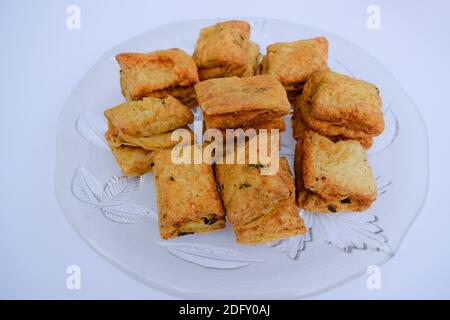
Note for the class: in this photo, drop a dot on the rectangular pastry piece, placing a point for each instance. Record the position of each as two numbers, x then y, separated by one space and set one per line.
234 102
337 105
293 63
149 116
332 176
299 127
260 208
158 74
136 128
225 50
188 200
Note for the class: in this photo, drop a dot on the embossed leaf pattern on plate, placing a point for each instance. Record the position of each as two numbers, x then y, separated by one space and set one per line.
209 256
112 200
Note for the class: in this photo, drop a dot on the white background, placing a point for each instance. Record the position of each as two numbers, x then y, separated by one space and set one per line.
41 61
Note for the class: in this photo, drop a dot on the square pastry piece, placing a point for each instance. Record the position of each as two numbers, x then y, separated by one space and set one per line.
229 103
299 127
138 128
337 105
293 63
188 200
332 176
158 74
225 50
260 208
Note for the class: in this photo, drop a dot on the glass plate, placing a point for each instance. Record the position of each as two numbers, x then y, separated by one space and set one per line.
118 219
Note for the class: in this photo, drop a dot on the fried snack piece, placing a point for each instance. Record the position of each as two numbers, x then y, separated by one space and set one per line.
293 63
137 128
188 201
151 143
225 50
332 176
149 116
133 161
298 128
158 73
260 208
253 60
241 102
334 104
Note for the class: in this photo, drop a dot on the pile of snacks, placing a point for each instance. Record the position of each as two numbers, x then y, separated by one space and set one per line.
335 118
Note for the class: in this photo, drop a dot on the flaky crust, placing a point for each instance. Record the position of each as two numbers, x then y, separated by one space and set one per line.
335 104
188 200
248 195
332 177
294 62
133 161
149 116
141 74
233 94
277 123
311 201
186 95
248 119
151 143
253 58
337 170
260 208
222 49
298 128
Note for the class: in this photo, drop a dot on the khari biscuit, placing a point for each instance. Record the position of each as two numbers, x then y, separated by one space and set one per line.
149 116
132 160
188 200
260 208
334 104
293 63
298 128
151 143
241 102
332 176
225 50
158 73
137 128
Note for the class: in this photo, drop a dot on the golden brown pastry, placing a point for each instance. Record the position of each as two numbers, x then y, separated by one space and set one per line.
188 201
225 50
332 176
136 128
293 63
241 102
260 208
149 116
253 60
158 74
337 105
133 161
298 128
151 143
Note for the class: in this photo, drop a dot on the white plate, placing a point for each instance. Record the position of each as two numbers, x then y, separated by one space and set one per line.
119 222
